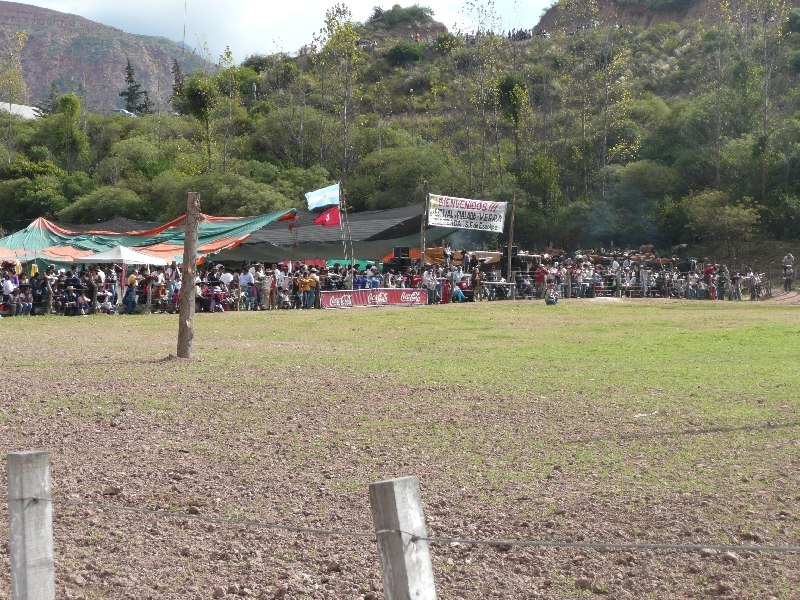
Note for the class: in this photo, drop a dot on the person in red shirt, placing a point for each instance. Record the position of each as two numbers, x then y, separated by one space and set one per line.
539 277
709 275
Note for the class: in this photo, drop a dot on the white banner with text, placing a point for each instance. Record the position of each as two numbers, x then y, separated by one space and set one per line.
446 211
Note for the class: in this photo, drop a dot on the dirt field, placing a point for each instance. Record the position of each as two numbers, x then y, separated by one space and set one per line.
663 422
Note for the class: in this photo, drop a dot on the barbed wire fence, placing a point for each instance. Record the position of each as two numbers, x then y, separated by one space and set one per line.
400 532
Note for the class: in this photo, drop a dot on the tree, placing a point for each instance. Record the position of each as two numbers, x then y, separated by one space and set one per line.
137 100
105 203
71 142
227 80
341 54
38 198
12 85
178 83
47 107
200 96
712 216
515 104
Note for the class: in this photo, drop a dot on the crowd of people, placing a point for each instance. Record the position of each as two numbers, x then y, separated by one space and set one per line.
95 288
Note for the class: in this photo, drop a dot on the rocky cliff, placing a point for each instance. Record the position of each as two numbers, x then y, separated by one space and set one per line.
75 52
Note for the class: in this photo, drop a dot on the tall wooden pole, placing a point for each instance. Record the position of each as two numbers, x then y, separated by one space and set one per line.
511 244
186 319
422 228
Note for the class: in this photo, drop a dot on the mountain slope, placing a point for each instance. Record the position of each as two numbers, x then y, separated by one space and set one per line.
73 51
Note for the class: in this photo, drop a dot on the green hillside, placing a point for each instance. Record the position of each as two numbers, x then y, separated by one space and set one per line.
669 134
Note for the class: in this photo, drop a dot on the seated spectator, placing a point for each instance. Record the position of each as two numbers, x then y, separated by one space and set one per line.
27 299
458 295
15 301
82 304
104 300
551 296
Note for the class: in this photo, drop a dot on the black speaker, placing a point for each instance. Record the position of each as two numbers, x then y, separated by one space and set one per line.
405 262
516 264
393 264
514 251
402 251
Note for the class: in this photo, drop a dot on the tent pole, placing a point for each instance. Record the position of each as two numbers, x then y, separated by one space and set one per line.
121 283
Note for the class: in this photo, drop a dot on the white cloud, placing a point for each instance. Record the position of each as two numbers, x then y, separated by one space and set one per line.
257 26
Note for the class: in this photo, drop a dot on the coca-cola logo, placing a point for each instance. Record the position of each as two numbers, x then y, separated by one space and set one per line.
378 298
343 300
412 297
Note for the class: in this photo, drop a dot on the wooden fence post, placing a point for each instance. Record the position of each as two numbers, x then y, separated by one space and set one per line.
186 308
405 559
30 526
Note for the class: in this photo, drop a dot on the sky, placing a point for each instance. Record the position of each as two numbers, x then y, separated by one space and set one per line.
261 26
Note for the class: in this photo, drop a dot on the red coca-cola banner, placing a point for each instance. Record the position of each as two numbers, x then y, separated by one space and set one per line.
376 297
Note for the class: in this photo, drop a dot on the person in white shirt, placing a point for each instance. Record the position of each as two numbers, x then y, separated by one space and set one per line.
226 277
244 279
8 286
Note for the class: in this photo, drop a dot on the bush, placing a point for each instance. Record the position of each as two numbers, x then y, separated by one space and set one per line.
223 194
25 200
446 41
23 168
411 14
403 53
105 203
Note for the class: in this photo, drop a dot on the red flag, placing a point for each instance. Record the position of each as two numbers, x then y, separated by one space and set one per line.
330 218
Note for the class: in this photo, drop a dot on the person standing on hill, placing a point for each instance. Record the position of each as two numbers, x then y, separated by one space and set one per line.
788 278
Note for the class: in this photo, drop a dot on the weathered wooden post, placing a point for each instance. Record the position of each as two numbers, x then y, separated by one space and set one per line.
399 523
186 318
30 516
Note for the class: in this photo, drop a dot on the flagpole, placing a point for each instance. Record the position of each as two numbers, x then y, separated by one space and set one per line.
341 228
343 203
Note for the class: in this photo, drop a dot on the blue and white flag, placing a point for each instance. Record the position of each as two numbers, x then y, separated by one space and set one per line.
327 196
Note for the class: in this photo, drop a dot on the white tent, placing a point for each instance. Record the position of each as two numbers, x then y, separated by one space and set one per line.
125 256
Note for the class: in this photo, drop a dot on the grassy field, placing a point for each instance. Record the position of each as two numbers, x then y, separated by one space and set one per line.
661 422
